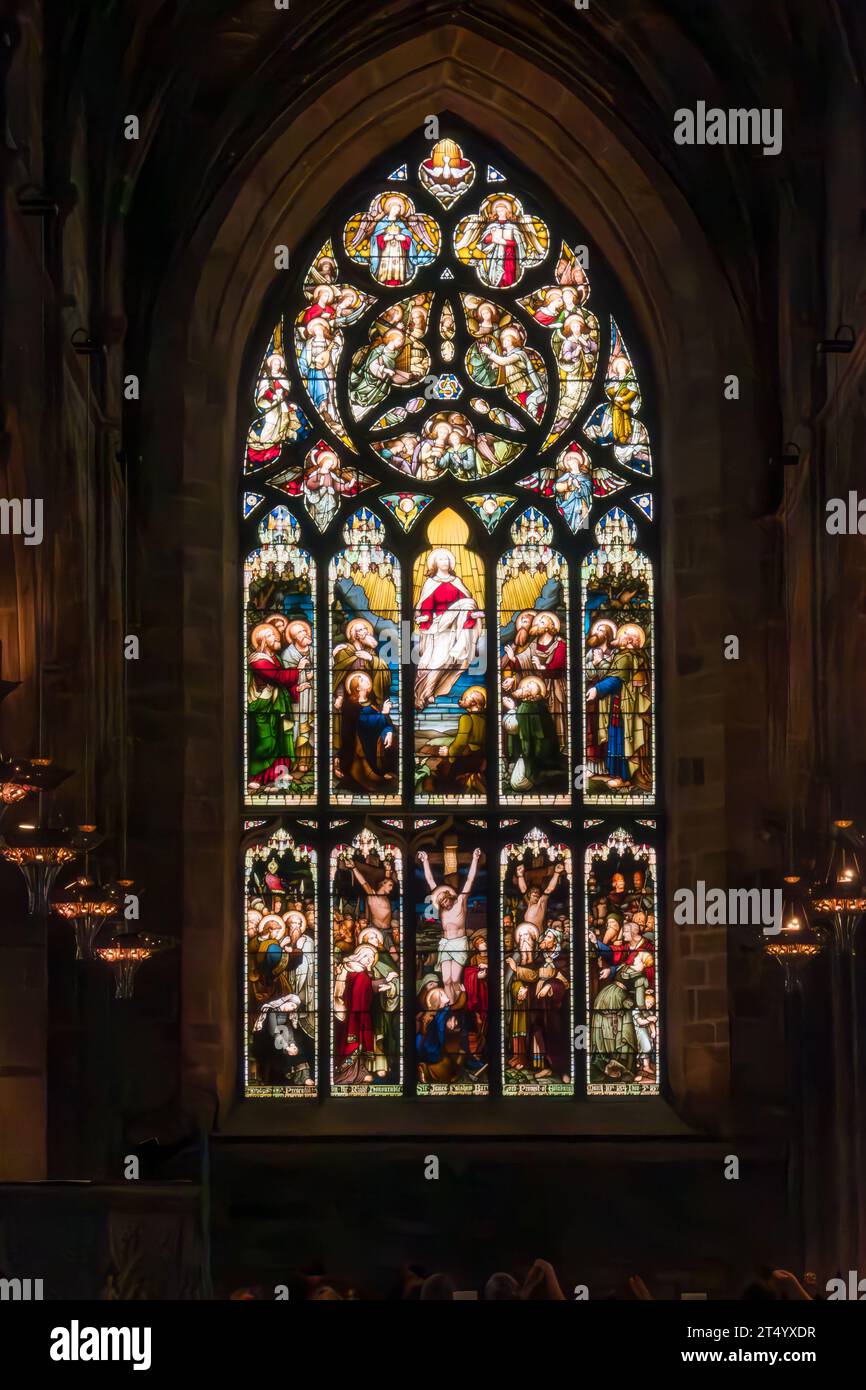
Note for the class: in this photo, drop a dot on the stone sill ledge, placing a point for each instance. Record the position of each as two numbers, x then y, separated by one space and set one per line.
491 1119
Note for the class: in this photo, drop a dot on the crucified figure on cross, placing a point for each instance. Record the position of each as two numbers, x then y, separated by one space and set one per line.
451 907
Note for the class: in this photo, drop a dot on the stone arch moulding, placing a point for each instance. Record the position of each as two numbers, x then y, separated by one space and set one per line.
207 319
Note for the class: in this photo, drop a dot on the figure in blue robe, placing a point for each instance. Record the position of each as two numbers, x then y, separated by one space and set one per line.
374 761
315 377
615 760
576 503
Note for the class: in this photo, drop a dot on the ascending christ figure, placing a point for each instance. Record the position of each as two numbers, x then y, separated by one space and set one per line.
449 623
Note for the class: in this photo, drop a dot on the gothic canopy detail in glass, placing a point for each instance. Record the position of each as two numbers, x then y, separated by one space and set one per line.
448 518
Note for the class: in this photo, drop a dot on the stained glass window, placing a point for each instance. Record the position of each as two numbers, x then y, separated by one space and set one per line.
450 795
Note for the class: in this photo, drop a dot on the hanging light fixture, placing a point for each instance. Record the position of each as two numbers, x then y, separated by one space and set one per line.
40 853
38 849
20 777
13 788
838 897
87 905
797 944
125 952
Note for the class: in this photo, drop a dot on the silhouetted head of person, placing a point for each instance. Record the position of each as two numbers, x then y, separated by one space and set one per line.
501 1288
437 1287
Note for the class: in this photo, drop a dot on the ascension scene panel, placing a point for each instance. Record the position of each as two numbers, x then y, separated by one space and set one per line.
451 971
622 999
537 974
366 968
449 650
280 969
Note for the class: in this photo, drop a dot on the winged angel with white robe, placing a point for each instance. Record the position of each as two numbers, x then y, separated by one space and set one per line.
501 241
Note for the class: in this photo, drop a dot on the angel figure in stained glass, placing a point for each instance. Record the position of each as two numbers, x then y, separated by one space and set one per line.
279 419
517 369
573 487
501 240
392 239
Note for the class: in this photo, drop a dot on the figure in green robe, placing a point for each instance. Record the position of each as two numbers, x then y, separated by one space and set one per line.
612 1035
386 1001
534 752
272 691
373 372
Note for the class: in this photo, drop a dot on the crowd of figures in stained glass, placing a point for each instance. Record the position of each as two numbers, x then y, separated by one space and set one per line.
281 968
537 1001
366 968
448 513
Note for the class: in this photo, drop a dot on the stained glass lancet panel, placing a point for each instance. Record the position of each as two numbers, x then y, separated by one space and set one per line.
364 612
622 980
280 672
450 655
366 1034
451 980
280 969
619 718
534 666
537 952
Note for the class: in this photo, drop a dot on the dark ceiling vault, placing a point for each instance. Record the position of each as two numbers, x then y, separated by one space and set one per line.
211 80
